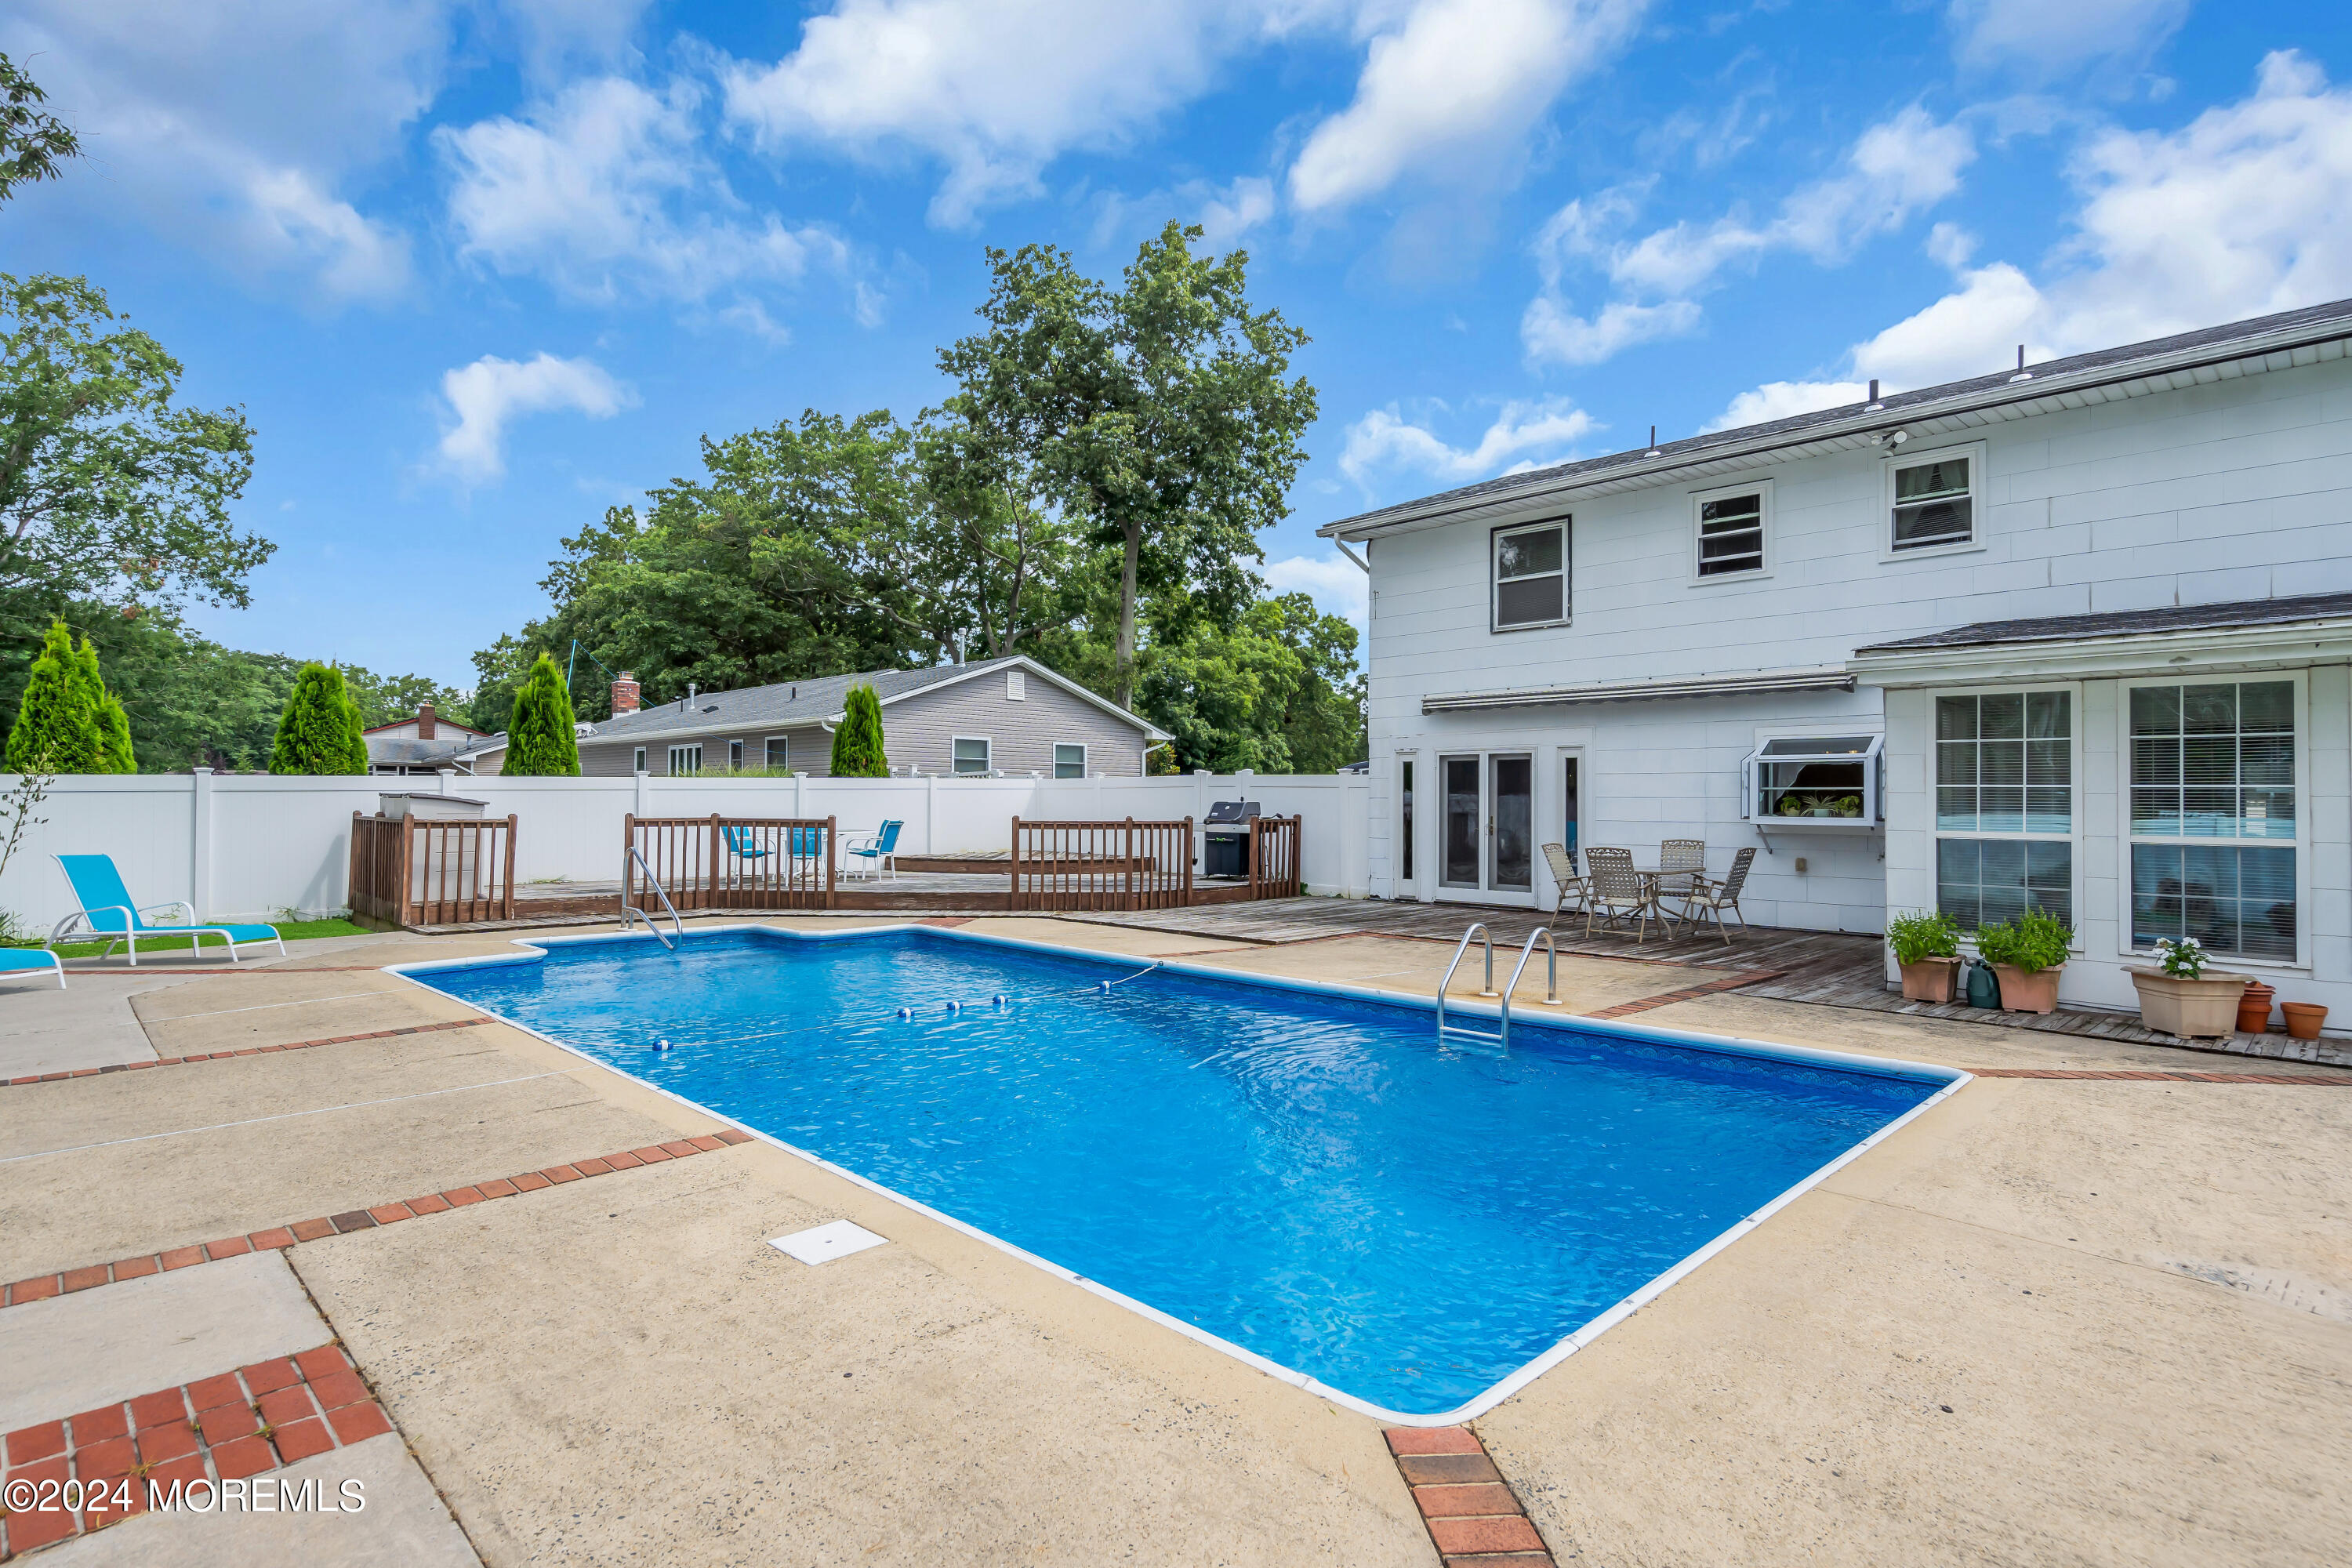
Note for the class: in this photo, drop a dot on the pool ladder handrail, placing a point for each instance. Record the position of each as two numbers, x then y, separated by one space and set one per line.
1477 929
628 909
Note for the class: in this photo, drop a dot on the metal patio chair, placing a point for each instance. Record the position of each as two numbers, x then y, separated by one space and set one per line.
1708 896
1565 877
1680 862
1616 892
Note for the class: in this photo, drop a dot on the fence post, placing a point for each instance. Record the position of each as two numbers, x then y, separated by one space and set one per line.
1298 855
931 813
1188 862
713 883
1013 900
200 855
1127 862
505 890
644 783
628 842
832 856
402 908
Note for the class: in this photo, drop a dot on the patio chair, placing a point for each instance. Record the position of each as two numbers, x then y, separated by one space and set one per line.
1615 892
879 849
1564 876
744 844
25 960
1680 862
1708 896
807 843
106 910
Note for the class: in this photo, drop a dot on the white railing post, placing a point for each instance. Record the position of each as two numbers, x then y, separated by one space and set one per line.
200 855
645 793
931 814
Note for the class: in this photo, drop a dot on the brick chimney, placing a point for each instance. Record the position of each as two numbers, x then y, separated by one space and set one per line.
625 694
425 720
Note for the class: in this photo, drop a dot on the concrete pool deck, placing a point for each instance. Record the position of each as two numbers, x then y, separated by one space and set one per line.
621 1368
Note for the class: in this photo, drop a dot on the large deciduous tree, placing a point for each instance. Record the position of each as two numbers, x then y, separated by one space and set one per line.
1161 415
34 143
541 741
109 489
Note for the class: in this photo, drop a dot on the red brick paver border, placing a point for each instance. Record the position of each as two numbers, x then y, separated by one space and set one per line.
1473 1517
42 1286
250 1051
113 1460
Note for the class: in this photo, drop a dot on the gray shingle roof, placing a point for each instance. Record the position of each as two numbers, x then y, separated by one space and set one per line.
2128 623
396 750
1892 409
790 703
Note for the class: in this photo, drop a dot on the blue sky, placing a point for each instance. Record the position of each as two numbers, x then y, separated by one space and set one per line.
477 271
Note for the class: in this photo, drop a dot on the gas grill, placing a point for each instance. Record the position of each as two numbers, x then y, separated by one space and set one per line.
1224 837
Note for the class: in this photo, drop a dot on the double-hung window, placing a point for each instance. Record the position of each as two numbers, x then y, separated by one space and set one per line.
2213 815
637 763
2005 805
1531 576
1932 499
780 751
685 760
1732 525
734 756
1069 761
971 754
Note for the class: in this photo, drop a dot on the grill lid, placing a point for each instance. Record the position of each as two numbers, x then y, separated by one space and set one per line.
1231 811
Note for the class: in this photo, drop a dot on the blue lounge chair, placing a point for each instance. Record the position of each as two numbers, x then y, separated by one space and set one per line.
106 910
879 849
745 844
23 960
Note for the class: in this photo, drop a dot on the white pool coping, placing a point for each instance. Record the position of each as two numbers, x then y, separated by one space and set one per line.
1953 1080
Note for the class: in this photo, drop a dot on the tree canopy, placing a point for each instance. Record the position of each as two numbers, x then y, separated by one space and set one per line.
34 143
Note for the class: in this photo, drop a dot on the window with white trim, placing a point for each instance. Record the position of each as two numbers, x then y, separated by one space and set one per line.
685 760
1531 575
2213 816
1069 761
1731 524
780 751
2005 805
970 753
734 756
638 764
1933 500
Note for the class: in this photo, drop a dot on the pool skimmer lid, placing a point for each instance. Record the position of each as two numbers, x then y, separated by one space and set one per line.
827 1242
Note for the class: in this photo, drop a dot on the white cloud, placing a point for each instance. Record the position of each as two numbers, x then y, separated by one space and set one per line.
2245 211
1451 88
1523 436
1229 213
1783 399
489 394
2044 40
604 190
1339 587
994 89
1894 170
240 152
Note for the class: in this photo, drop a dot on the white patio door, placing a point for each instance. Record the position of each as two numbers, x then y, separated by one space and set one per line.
1486 838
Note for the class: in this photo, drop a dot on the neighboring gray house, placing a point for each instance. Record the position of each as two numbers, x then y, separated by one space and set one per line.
425 744
1010 716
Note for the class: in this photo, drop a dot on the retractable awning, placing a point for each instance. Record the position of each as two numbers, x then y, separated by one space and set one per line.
1829 678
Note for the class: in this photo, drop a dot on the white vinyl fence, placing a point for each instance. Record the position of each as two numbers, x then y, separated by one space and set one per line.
253 847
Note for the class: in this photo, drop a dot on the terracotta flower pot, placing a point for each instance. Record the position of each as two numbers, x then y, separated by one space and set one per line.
2203 1009
1929 980
2254 1008
2304 1018
2023 992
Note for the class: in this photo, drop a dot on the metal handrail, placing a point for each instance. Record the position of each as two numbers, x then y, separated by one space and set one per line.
628 909
1477 929
1551 977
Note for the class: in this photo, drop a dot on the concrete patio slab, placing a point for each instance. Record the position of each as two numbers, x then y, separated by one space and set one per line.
90 1024
403 1525
76 1352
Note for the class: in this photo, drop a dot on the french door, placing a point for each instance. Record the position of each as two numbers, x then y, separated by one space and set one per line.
1487 827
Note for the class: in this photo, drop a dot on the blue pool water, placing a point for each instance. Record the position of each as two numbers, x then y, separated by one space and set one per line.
1308 1176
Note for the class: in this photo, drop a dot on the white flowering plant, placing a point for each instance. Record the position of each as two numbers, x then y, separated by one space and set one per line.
2182 960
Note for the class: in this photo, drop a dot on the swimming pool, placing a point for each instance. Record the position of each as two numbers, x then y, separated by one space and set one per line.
1300 1174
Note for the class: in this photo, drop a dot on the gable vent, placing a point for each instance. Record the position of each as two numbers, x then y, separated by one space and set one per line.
1017 686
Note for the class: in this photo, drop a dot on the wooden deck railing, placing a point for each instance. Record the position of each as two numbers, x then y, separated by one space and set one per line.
732 862
1273 857
1126 864
409 871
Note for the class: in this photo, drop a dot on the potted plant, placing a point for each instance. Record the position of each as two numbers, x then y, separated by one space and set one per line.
2304 1019
1927 946
2180 997
2026 954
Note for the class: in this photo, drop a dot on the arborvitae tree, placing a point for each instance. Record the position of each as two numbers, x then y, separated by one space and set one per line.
857 744
314 735
356 752
114 754
58 728
541 739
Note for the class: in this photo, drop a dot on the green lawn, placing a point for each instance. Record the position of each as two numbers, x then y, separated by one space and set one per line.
292 930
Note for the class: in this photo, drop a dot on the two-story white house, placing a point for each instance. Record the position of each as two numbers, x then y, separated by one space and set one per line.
2075 636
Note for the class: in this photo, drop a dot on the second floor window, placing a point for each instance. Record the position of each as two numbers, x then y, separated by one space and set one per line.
1934 502
1730 534
1531 575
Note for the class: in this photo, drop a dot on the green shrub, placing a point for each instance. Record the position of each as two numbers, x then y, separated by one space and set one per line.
316 732
1922 934
541 741
857 744
58 728
2031 944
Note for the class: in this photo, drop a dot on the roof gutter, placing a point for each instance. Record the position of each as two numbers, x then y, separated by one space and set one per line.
1825 677
1856 425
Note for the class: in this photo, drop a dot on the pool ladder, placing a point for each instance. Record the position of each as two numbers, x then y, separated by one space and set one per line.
628 909
1502 1039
